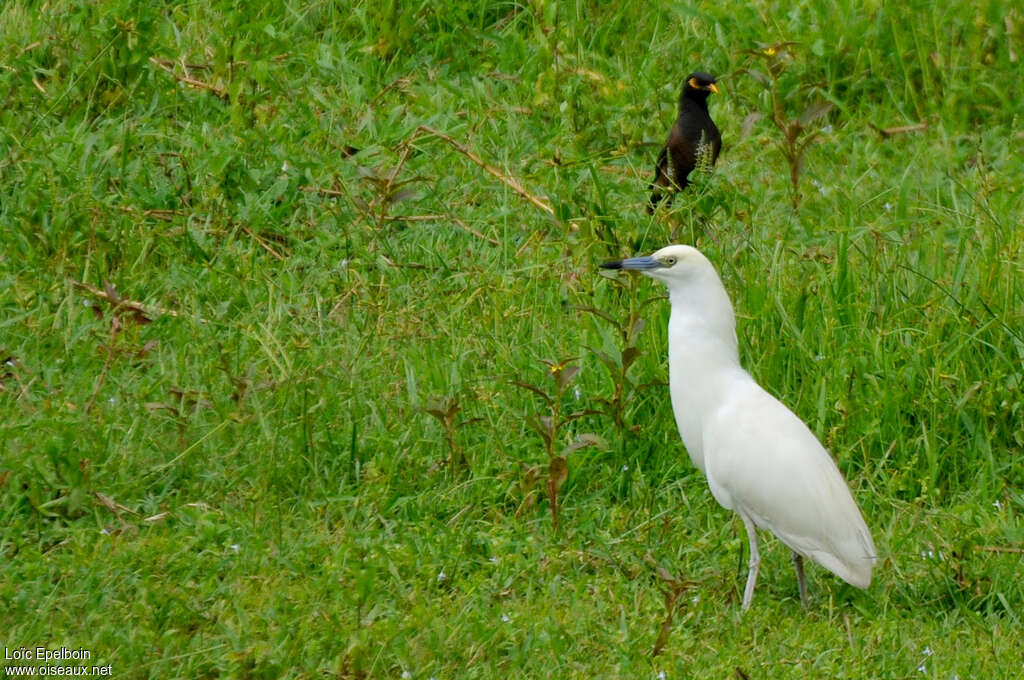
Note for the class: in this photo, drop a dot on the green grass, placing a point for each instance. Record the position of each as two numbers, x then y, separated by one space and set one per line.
252 486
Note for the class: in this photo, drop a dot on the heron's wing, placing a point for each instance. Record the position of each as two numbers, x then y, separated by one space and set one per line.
763 461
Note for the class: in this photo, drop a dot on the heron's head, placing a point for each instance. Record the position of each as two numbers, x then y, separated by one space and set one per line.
675 266
694 289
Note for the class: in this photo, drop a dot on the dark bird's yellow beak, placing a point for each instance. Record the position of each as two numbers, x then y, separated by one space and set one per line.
713 88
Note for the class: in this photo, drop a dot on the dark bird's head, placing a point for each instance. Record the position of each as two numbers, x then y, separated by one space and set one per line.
699 85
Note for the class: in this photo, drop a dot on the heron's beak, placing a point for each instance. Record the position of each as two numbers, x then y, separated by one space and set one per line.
642 264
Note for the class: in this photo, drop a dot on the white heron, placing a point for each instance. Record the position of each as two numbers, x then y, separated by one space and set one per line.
759 458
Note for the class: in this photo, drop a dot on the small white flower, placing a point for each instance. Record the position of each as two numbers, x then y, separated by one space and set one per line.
922 669
625 468
576 393
695 599
406 675
441 576
284 166
887 207
819 357
492 560
234 547
827 129
927 651
105 531
997 505
505 618
661 675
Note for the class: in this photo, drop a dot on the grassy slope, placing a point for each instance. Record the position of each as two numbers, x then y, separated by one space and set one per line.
285 504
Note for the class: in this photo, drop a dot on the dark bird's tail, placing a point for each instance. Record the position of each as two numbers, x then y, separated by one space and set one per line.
661 181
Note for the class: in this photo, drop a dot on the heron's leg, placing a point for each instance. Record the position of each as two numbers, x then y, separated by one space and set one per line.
801 580
753 565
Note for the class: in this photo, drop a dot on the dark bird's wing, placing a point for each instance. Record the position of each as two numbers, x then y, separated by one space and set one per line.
675 162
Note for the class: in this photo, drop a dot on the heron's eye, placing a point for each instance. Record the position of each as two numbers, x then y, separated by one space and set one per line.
669 261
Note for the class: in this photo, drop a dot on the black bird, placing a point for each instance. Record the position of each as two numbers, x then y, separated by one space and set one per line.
693 138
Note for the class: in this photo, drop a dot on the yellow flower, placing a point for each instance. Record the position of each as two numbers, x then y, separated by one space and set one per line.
770 51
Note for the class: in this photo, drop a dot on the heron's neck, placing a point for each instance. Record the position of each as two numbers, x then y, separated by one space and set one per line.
702 355
703 326
703 361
